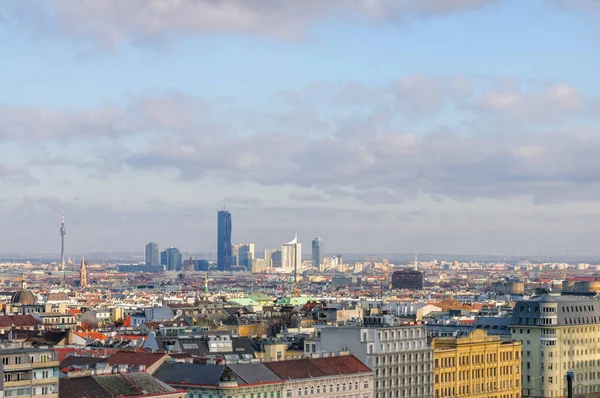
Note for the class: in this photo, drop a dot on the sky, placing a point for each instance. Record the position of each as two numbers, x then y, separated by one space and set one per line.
438 126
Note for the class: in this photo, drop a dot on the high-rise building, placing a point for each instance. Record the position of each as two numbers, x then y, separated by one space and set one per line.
558 335
245 255
477 366
407 279
275 256
317 252
152 254
291 256
171 259
224 260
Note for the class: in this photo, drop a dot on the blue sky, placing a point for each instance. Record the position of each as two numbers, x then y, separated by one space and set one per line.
449 126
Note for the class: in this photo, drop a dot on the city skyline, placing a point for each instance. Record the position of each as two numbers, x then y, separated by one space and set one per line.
382 126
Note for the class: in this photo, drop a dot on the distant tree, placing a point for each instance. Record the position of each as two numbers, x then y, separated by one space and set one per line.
448 303
274 325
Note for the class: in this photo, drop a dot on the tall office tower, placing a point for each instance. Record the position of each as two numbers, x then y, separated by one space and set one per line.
171 259
317 252
291 256
558 335
224 241
152 254
82 274
267 255
407 279
245 255
63 232
275 257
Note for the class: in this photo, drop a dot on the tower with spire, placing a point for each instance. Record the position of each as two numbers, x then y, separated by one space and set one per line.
206 284
82 274
63 232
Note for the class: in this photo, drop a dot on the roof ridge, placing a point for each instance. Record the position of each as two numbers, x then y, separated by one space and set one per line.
130 382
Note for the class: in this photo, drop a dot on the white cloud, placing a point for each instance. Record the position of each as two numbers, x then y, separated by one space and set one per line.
109 22
385 162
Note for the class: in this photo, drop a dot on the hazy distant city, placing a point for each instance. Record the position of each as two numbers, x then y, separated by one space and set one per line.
300 198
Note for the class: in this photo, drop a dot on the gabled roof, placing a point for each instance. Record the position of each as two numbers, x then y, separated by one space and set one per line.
115 385
189 373
92 335
127 322
344 364
295 369
135 358
19 321
254 373
318 367
72 361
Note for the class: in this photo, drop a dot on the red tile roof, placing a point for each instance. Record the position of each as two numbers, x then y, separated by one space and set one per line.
19 321
317 367
344 364
92 335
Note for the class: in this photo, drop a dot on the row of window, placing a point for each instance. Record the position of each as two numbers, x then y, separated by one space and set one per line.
401 334
450 392
317 389
412 357
271 394
474 359
17 360
403 381
402 369
404 392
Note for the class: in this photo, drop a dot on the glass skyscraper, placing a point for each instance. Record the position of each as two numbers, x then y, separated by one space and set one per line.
152 256
317 252
224 241
171 259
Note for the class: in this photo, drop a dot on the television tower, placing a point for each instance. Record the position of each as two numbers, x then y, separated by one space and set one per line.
63 232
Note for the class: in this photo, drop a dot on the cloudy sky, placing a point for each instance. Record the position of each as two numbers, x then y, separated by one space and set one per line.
441 126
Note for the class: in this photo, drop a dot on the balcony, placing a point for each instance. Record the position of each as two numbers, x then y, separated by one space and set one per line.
48 380
17 366
48 364
17 383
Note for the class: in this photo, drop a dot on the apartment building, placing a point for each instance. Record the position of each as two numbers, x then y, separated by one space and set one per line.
342 376
559 334
29 371
400 356
339 376
477 366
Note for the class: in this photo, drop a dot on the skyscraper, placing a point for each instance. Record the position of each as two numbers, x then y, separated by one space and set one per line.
317 252
152 254
224 241
171 259
245 255
291 256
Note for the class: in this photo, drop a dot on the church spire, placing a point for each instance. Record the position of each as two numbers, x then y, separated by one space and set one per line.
82 273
